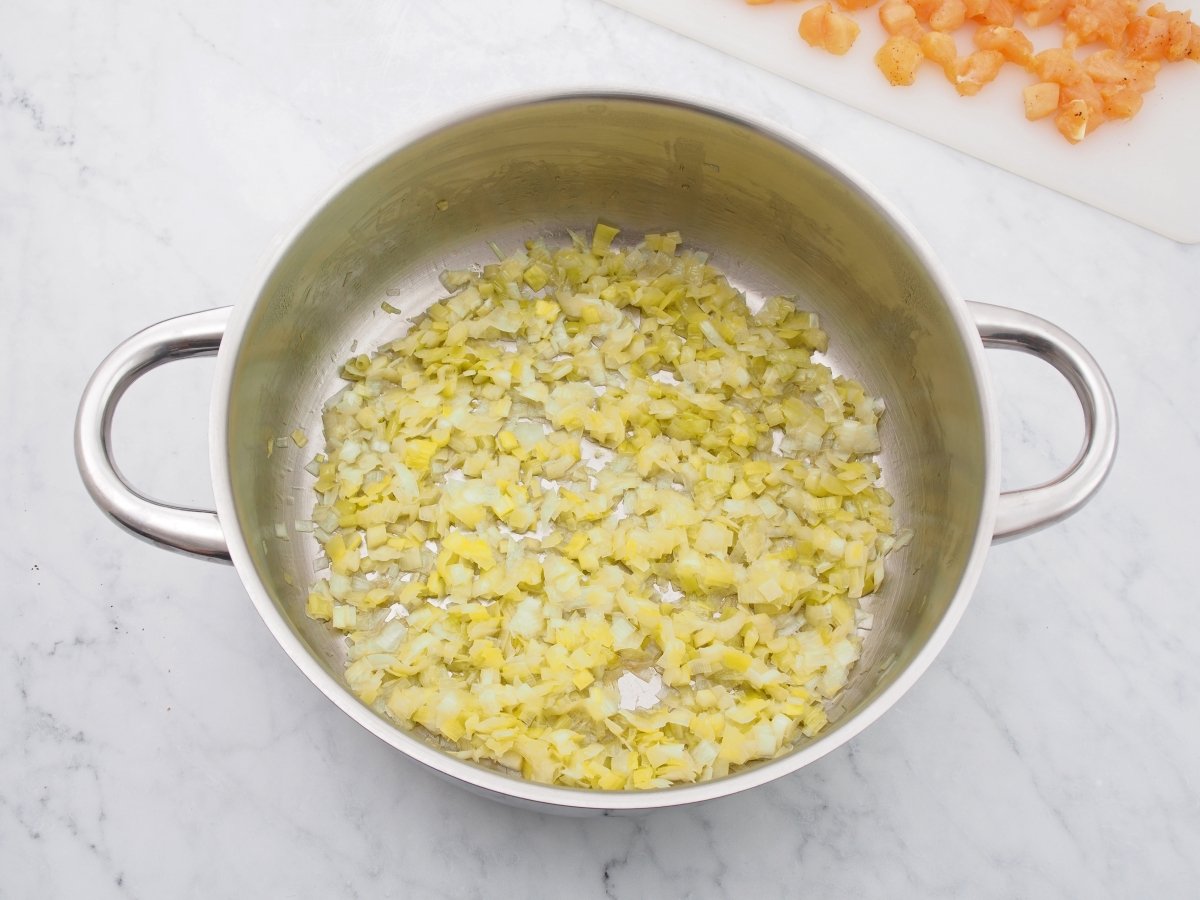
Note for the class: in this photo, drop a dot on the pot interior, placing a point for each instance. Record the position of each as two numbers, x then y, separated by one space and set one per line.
775 219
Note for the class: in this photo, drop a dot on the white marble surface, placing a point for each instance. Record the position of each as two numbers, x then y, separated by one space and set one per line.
155 742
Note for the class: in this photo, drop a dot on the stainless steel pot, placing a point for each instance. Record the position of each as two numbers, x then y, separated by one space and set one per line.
778 217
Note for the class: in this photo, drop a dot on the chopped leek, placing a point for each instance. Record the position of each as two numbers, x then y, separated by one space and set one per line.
594 521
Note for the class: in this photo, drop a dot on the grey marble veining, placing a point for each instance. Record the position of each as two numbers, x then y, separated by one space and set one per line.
154 741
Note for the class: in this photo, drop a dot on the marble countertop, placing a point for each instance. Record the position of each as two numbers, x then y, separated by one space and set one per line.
154 740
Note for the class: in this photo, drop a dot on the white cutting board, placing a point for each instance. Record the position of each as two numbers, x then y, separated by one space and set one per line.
1146 170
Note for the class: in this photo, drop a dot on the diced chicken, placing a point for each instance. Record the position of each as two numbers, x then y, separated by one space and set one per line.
1072 121
828 29
898 59
976 70
898 18
1041 99
940 50
949 15
1120 101
1010 42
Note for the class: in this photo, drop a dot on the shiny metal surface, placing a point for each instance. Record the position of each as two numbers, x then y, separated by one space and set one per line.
1025 511
192 531
775 216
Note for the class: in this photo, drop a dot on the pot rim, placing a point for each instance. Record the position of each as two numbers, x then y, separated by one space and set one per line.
516 788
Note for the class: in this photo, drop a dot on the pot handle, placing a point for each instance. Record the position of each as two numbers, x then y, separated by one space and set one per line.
1027 510
193 531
